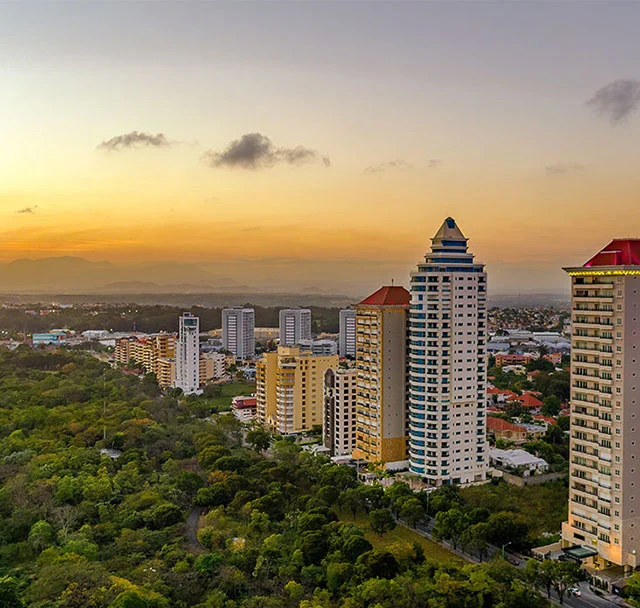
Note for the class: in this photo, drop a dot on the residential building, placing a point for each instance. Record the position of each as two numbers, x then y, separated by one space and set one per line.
503 429
347 340
188 355
319 347
238 337
290 389
604 471
244 408
381 368
166 372
339 424
146 351
448 359
518 461
295 325
216 366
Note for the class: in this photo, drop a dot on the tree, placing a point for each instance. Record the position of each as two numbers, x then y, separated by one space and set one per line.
381 521
259 439
506 527
563 576
450 525
9 593
551 406
41 535
412 511
474 539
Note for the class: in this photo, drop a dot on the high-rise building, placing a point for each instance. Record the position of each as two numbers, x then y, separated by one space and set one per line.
188 355
448 363
145 351
339 425
347 340
290 389
295 325
238 336
381 369
604 468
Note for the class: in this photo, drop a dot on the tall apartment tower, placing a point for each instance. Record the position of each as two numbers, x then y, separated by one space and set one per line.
347 340
188 355
447 346
290 389
339 424
238 336
381 368
295 325
604 492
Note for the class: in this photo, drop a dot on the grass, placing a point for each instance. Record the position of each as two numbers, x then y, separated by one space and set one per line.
230 390
542 507
400 535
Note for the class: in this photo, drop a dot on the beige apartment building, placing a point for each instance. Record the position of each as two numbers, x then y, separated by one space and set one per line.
146 351
381 369
290 389
604 492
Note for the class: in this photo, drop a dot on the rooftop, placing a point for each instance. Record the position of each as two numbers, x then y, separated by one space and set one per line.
389 295
619 252
498 424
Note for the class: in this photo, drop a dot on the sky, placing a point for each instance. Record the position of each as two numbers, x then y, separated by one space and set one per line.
320 142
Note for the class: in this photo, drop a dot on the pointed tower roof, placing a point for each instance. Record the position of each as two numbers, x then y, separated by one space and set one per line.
390 295
449 231
619 252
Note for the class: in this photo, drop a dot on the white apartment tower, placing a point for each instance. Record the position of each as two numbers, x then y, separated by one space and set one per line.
339 424
295 325
604 480
238 336
187 352
347 340
448 363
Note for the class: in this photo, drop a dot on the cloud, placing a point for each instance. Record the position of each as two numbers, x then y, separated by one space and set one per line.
391 164
28 209
563 168
135 139
434 163
257 151
616 101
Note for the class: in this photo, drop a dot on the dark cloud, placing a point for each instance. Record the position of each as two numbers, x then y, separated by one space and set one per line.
135 139
391 164
616 101
28 209
257 151
563 168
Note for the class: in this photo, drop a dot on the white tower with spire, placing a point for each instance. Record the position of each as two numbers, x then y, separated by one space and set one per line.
448 363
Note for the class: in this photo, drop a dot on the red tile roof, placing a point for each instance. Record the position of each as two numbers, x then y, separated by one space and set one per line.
498 424
528 400
546 419
619 252
388 296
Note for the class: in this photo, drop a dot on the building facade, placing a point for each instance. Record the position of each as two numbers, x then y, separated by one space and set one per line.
319 347
188 355
295 325
339 424
290 389
381 370
146 351
448 360
238 337
347 340
604 493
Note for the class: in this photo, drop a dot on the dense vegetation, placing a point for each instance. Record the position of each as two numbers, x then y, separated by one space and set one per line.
81 528
147 319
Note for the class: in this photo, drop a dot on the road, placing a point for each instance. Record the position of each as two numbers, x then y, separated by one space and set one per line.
587 598
191 529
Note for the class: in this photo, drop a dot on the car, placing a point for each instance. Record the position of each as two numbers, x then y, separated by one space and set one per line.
513 561
575 591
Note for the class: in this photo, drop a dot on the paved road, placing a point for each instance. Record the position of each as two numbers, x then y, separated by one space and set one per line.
191 528
587 599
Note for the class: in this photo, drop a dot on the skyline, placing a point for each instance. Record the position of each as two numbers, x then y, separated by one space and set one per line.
357 129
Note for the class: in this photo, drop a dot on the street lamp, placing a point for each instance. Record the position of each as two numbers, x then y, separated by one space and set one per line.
505 545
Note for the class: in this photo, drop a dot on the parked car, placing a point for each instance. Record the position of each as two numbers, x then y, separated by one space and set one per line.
575 591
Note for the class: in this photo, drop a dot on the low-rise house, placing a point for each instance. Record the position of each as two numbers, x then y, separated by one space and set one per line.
502 429
518 461
244 408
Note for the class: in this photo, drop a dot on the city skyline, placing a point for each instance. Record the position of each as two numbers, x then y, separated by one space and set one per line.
283 146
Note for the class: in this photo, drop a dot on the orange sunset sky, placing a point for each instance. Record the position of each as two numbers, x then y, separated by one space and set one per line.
122 135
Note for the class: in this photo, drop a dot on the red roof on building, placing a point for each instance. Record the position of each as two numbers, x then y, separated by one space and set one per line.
546 419
243 403
498 424
492 390
619 252
389 295
528 400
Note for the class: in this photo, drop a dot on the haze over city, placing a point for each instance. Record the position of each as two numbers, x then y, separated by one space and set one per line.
319 144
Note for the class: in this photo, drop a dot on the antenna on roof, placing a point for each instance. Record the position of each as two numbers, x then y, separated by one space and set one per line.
391 282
